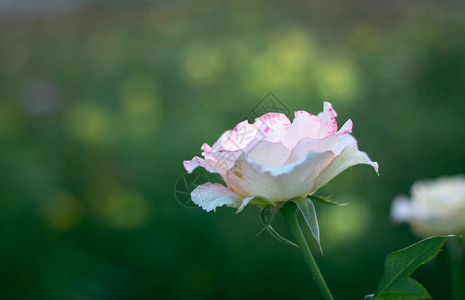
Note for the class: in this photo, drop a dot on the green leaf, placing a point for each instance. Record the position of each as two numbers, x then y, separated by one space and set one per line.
396 283
307 209
266 217
325 200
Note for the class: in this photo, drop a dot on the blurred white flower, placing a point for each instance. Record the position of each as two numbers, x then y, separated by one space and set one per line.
437 207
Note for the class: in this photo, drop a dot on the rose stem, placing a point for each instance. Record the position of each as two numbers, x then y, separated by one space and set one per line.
456 266
289 213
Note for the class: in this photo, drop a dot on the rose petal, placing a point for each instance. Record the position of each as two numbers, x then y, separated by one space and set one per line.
304 146
327 119
209 196
249 178
244 133
346 140
349 157
244 204
191 165
346 128
269 154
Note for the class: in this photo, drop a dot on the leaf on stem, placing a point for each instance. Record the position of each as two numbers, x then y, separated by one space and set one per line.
396 283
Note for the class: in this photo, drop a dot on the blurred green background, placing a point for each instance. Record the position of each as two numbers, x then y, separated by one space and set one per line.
101 101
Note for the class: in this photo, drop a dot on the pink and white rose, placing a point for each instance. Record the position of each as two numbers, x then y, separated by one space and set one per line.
273 160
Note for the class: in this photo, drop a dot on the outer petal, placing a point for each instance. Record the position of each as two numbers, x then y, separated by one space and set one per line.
349 157
191 165
249 178
209 196
217 145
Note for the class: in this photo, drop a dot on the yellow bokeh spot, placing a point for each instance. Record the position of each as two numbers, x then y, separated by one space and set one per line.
62 211
90 124
295 50
122 209
201 62
336 79
141 106
286 62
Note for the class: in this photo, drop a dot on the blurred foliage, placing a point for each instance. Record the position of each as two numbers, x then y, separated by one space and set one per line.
101 103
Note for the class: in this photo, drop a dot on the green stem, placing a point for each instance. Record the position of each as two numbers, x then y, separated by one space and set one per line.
289 213
456 266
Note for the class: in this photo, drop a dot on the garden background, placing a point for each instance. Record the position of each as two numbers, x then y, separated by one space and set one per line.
101 101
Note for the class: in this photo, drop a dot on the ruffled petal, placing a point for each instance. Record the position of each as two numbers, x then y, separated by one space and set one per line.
349 157
346 128
267 127
209 196
191 165
327 119
335 142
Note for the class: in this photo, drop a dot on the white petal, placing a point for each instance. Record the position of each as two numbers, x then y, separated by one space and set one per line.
328 119
244 204
346 140
304 146
269 154
209 196
346 128
211 166
304 125
219 143
249 178
270 127
349 157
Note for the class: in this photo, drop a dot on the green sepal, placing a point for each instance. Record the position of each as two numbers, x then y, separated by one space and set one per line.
307 209
325 200
266 217
261 201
